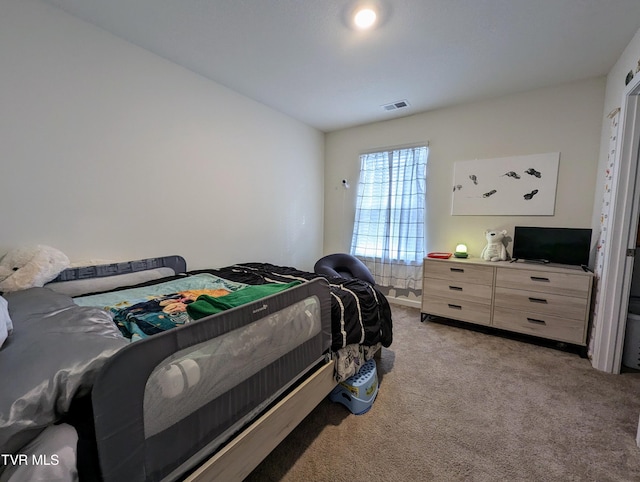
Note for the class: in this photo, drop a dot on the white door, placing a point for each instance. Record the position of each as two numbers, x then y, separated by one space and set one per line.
615 279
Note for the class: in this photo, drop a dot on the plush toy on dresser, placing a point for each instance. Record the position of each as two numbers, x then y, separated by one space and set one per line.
495 249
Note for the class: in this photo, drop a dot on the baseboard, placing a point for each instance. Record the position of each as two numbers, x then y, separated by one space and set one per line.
404 302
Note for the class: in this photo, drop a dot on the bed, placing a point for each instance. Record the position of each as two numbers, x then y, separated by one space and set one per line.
201 384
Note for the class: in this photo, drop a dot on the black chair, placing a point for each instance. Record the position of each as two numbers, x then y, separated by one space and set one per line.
345 266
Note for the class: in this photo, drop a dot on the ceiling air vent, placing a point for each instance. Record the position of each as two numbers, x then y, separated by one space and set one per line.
401 104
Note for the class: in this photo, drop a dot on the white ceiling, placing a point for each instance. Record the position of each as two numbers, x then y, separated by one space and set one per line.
301 58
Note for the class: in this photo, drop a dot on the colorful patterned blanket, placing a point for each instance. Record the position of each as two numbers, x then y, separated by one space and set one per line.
145 311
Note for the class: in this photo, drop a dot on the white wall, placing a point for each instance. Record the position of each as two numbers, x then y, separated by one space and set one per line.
565 118
111 152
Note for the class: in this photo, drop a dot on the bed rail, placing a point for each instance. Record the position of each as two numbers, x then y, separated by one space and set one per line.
126 452
177 263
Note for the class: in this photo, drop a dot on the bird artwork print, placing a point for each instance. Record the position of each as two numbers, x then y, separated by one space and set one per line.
490 193
512 174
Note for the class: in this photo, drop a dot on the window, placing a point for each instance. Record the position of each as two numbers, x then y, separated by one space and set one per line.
390 211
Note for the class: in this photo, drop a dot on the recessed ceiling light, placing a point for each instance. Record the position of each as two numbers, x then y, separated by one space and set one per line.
365 18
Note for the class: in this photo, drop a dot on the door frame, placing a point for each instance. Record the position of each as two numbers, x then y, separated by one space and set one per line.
615 279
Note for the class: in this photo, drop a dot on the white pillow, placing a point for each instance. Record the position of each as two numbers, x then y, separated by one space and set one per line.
6 326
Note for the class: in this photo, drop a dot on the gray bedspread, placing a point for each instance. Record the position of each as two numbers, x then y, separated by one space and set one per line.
53 355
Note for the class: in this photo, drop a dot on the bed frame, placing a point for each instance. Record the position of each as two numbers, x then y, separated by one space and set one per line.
236 460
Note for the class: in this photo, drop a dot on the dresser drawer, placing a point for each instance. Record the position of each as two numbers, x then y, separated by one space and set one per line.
546 303
544 281
545 326
469 273
457 290
457 309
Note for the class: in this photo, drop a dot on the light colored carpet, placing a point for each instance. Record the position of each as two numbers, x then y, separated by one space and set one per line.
458 405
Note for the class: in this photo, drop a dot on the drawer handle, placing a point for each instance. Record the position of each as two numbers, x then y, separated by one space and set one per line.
539 278
536 322
455 288
454 307
538 300
457 270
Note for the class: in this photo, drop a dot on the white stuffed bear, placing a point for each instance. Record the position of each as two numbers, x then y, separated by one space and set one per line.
27 267
495 250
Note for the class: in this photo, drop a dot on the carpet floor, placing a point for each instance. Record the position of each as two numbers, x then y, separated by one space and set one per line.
460 405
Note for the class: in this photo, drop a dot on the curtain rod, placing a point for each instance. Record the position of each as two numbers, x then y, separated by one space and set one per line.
392 148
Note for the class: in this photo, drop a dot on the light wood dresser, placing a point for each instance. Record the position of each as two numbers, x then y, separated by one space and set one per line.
547 301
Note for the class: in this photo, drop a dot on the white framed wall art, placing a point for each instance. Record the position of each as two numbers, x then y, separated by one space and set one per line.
518 185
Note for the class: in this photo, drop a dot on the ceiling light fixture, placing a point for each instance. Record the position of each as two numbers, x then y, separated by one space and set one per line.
365 18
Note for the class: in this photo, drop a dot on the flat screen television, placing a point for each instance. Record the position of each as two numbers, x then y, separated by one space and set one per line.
552 245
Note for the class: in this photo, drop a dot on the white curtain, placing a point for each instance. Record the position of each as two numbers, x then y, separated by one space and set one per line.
388 234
